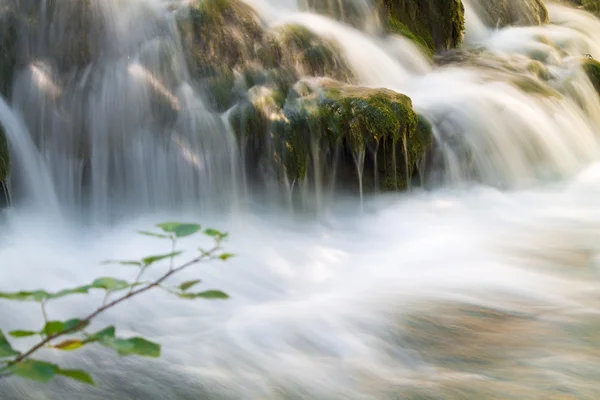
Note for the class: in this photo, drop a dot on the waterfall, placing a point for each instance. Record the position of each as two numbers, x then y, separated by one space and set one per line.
126 126
122 125
410 219
34 178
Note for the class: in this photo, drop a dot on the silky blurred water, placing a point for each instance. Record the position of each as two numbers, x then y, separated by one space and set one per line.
485 286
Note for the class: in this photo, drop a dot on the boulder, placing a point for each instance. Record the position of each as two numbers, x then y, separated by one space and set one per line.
592 69
8 49
4 157
220 37
592 6
435 25
229 51
370 137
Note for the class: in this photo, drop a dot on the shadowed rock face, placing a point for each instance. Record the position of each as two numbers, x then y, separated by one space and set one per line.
8 58
592 69
435 25
8 50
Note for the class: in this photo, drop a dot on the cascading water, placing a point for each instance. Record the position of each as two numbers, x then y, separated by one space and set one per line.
114 113
485 287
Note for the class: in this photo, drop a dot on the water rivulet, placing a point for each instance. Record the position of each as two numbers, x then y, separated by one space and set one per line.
410 187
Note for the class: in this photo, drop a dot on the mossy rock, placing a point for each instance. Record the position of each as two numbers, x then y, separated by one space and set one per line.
336 123
8 49
229 51
501 13
435 25
224 41
4 157
592 69
220 34
591 6
312 55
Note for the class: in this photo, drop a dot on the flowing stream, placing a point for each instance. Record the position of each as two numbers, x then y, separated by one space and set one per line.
484 286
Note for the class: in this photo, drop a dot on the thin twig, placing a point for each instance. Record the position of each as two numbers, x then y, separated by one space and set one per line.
105 299
113 303
173 242
44 314
137 279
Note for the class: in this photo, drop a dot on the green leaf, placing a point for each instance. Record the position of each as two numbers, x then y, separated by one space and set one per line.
186 285
226 256
77 375
169 227
209 294
124 262
37 295
41 295
104 334
157 235
110 284
54 327
213 233
152 259
19 334
35 370
138 346
6 349
180 229
69 345
72 323
66 292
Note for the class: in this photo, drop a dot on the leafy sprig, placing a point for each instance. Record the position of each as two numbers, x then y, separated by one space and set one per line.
71 334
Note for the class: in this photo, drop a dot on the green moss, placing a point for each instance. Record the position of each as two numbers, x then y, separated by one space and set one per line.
360 120
436 24
8 51
592 6
592 69
4 156
220 35
220 91
425 43
315 55
337 119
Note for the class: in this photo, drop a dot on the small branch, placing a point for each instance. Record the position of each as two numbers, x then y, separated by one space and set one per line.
103 308
44 314
137 279
106 295
173 242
